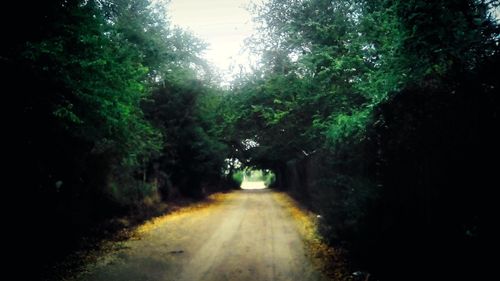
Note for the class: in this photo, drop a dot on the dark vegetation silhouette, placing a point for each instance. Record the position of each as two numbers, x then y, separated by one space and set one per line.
379 115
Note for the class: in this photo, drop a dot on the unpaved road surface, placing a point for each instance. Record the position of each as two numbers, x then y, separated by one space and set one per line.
247 236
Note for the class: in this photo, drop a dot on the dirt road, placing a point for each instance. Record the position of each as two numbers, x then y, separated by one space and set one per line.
247 236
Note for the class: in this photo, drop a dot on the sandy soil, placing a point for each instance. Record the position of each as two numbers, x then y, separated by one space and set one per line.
246 236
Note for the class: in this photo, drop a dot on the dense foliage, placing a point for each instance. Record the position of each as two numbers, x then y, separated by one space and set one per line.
114 112
381 116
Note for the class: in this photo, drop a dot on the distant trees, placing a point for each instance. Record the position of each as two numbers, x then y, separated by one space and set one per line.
186 110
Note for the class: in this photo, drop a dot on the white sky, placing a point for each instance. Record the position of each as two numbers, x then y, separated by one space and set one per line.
223 24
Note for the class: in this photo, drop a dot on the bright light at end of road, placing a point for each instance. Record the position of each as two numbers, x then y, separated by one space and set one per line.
253 185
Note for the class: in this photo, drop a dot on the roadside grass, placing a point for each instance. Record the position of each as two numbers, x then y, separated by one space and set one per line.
131 228
329 260
180 212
